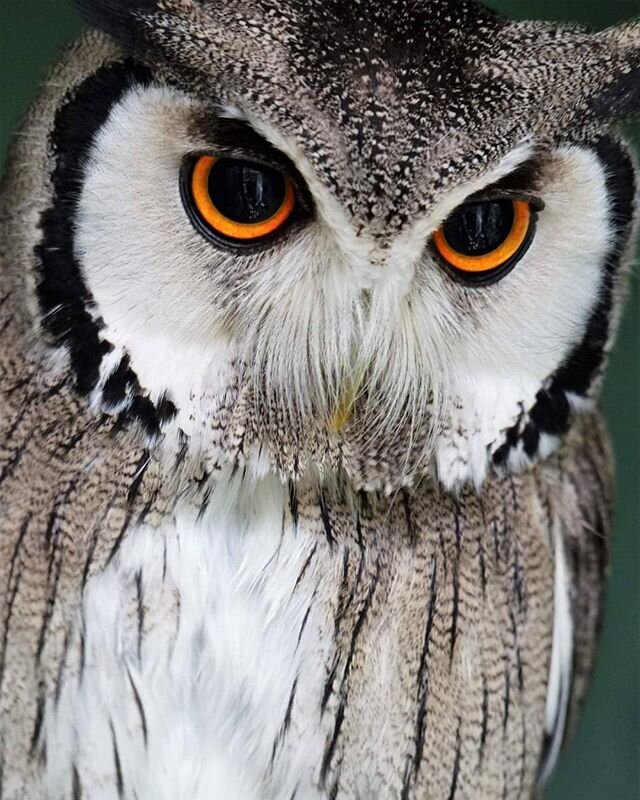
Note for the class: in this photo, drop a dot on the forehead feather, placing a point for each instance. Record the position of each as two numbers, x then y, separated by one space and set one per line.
374 93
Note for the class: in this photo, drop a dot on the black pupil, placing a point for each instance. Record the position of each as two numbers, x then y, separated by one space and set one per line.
244 191
479 228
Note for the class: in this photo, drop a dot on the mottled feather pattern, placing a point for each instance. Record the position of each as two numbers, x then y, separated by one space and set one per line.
446 603
205 590
470 621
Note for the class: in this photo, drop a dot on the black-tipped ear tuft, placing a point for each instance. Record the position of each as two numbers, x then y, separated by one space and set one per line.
620 96
119 18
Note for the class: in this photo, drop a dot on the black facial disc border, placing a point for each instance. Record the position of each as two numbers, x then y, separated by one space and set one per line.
551 412
65 301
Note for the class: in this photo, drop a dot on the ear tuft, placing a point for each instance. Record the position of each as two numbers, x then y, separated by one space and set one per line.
621 96
118 18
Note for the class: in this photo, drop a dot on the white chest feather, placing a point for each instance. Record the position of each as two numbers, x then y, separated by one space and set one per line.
200 638
269 649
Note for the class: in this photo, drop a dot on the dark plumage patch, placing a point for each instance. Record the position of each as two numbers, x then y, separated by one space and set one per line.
68 309
115 388
118 17
622 97
149 416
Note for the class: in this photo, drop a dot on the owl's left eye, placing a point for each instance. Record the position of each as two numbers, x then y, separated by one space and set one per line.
236 200
482 241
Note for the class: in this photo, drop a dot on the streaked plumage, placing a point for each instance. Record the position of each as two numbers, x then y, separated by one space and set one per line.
207 589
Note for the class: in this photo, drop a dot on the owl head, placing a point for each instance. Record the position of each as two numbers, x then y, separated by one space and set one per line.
382 239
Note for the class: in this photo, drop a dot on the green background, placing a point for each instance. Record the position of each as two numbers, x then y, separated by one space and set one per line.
603 762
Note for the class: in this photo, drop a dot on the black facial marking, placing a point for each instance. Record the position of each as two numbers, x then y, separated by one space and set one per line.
551 412
115 388
578 372
65 301
64 298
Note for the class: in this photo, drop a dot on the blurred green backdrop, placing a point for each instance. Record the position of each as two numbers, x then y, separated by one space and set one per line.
603 762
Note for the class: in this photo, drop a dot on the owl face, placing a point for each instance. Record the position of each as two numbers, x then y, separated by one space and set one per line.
317 237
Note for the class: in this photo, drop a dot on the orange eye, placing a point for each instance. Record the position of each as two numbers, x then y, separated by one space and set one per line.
240 201
482 241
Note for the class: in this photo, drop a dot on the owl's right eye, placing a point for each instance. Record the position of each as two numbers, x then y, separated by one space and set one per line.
236 200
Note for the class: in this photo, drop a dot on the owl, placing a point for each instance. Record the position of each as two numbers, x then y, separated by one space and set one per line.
304 309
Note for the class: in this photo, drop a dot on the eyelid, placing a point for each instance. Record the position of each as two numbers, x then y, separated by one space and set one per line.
487 195
240 153
303 196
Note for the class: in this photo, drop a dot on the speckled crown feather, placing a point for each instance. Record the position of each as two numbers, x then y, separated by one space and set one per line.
378 84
